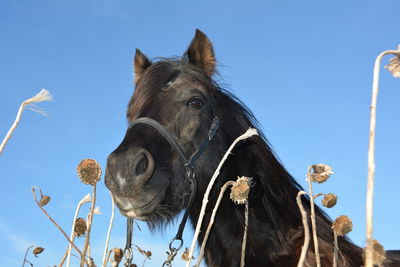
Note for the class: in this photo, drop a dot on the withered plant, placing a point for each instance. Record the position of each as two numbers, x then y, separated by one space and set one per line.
250 132
394 68
43 95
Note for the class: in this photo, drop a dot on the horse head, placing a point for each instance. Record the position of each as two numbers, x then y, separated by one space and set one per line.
147 174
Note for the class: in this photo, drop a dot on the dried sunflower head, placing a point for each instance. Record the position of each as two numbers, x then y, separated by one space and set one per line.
240 190
37 250
342 225
80 227
320 173
378 256
148 254
118 254
145 253
91 262
89 171
329 200
185 255
394 66
44 201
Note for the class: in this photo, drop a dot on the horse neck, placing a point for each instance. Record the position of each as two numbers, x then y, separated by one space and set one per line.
267 231
275 231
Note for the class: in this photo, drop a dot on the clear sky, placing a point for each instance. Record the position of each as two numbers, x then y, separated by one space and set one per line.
303 67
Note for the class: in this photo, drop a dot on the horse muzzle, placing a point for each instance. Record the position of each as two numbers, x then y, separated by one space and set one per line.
128 177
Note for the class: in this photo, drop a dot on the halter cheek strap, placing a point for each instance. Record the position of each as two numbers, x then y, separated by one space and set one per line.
189 165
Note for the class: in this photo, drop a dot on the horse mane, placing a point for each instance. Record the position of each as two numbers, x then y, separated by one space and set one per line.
270 171
273 185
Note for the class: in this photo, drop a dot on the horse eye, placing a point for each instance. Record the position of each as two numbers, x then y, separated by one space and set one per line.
195 103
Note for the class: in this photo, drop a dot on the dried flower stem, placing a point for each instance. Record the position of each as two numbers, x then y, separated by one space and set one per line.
43 95
210 224
371 156
84 200
318 195
26 254
89 227
313 221
335 249
304 248
250 132
214 212
68 252
246 224
108 256
30 263
109 231
54 222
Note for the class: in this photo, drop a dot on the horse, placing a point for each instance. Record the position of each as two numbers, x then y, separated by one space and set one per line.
147 173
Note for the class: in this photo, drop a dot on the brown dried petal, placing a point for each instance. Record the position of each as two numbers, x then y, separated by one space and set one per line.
240 190
44 201
329 200
80 227
37 251
342 225
321 173
89 171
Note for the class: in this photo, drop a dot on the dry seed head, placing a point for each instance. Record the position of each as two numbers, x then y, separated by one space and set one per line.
185 255
89 171
378 256
91 262
329 200
133 265
320 173
240 190
342 225
148 254
118 254
394 66
80 227
37 251
44 201
145 253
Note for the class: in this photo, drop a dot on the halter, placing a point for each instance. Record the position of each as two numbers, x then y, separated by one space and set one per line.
189 167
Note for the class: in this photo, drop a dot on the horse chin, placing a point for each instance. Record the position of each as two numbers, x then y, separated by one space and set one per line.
143 211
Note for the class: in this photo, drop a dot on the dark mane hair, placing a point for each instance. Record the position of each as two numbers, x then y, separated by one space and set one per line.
276 188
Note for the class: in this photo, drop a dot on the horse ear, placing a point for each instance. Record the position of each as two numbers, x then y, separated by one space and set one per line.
141 63
201 53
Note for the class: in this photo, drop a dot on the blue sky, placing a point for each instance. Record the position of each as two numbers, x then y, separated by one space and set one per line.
303 67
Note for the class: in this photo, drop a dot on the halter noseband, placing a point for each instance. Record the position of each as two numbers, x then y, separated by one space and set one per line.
189 166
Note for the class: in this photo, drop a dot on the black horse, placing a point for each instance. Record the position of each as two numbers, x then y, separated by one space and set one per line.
148 179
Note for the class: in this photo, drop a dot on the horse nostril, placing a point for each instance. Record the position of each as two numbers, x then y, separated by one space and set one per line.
142 164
